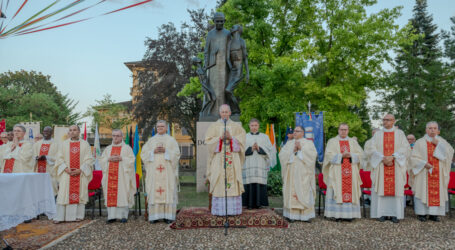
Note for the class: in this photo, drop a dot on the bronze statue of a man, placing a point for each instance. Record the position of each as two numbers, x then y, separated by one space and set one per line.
215 62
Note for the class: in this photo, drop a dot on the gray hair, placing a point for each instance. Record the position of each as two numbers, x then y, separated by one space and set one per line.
117 130
298 126
254 120
225 105
161 121
21 127
432 122
343 124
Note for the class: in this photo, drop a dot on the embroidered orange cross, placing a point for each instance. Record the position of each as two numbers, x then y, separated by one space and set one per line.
160 168
160 190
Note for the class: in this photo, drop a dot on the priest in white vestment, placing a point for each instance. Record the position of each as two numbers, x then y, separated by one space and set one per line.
161 155
74 171
119 178
342 161
258 155
430 160
235 157
45 153
17 156
388 153
298 159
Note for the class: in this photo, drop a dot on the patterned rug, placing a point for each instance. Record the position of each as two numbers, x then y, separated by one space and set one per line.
200 217
38 233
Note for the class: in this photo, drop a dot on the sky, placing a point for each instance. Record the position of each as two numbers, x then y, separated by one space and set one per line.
86 60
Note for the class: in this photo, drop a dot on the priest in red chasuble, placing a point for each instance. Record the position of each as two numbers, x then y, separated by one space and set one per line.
119 178
17 155
73 169
45 153
388 154
161 155
430 165
341 167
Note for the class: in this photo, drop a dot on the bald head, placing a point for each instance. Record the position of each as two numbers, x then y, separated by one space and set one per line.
388 121
225 111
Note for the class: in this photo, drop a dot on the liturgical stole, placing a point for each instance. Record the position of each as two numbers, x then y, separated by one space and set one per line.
112 181
433 178
75 183
389 171
9 164
44 150
346 174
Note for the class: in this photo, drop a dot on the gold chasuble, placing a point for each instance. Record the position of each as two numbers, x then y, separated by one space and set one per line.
299 185
235 158
162 176
430 185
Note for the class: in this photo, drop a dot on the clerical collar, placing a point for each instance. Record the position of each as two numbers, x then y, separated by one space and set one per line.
161 134
257 133
74 140
389 130
22 141
120 144
343 139
430 139
47 141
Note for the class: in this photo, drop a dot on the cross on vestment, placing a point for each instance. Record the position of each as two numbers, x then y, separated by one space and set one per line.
160 190
160 168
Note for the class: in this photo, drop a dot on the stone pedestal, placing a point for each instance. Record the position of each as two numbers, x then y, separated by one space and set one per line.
201 155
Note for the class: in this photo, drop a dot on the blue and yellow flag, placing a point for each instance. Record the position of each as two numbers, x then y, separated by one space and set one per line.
137 153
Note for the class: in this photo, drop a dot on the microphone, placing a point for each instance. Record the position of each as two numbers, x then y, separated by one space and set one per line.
225 120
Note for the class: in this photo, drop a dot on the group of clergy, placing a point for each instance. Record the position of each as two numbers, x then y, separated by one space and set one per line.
237 171
70 165
238 167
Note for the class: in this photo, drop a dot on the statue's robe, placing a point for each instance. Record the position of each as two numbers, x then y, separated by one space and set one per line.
19 160
342 178
235 157
119 180
73 190
49 148
162 176
387 196
430 186
215 53
299 184
255 170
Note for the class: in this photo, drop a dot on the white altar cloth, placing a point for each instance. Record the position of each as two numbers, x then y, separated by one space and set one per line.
24 196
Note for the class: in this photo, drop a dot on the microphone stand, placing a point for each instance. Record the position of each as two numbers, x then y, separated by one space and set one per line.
226 222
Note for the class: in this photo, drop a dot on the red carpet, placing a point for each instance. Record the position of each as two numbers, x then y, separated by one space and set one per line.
200 217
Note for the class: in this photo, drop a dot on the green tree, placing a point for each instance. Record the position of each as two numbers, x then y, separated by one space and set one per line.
420 89
27 93
324 51
109 114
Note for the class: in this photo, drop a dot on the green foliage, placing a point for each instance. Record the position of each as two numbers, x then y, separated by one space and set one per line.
108 114
326 51
422 87
274 184
27 93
